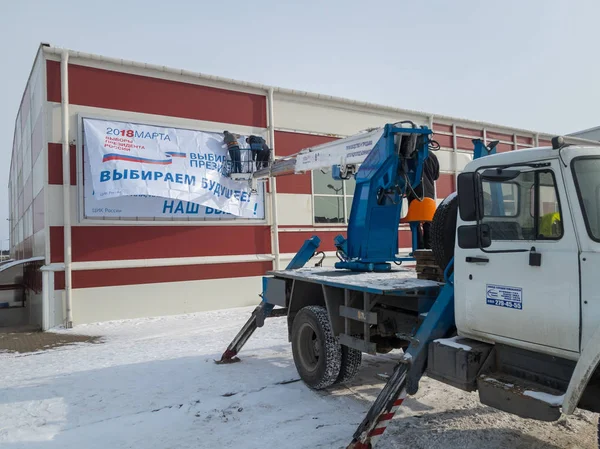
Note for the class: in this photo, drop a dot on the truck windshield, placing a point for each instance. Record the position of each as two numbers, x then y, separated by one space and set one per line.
587 177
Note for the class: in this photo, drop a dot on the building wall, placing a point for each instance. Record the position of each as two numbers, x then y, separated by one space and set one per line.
26 175
223 261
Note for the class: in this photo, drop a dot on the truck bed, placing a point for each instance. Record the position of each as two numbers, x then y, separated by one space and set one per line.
398 282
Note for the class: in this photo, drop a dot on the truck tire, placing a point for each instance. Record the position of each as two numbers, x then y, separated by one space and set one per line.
443 230
351 360
317 353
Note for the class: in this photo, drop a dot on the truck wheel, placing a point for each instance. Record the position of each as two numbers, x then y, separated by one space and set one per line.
317 353
443 230
351 360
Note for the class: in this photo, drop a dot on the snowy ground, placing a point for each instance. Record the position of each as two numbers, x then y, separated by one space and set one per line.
153 385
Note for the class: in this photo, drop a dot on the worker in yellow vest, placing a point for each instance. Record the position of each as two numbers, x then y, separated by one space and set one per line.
550 225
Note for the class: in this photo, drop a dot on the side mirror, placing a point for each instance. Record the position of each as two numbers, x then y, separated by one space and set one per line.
470 199
474 236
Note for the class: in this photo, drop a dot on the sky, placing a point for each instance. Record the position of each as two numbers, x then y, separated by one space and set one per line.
528 64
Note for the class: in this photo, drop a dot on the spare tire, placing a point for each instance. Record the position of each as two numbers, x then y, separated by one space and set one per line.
443 230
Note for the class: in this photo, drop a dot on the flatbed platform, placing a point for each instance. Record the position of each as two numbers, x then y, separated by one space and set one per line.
398 282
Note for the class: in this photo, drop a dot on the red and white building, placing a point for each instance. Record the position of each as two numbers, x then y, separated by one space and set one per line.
99 268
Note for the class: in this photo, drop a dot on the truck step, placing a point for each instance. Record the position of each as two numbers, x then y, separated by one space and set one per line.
457 361
519 396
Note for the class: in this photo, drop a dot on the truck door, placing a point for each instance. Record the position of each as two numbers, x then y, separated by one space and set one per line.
524 288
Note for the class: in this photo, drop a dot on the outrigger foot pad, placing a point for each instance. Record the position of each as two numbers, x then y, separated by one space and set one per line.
227 358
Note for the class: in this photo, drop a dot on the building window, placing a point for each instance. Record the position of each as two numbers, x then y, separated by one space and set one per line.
332 200
526 208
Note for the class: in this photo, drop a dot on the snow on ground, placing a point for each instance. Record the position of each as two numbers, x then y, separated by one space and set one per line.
152 384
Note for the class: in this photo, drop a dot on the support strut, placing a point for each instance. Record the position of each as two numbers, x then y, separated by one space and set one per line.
264 309
382 411
405 379
261 312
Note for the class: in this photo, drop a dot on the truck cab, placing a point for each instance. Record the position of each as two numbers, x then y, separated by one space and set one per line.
527 244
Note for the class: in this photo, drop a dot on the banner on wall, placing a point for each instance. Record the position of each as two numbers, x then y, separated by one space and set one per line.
144 206
142 161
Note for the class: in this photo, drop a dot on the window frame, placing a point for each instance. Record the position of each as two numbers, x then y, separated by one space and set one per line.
536 187
343 196
580 197
518 199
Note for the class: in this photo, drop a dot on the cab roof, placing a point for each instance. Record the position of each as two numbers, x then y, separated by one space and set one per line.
537 154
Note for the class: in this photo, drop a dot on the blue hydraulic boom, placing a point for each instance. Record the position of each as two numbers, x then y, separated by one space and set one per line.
391 170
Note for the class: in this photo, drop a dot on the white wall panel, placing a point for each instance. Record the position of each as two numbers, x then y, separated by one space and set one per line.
295 209
54 198
446 160
462 160
146 300
39 243
54 128
320 117
38 175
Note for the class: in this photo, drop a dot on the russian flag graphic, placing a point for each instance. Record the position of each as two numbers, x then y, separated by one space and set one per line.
124 157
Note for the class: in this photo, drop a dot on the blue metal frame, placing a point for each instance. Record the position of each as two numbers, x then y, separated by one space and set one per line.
304 254
381 184
481 150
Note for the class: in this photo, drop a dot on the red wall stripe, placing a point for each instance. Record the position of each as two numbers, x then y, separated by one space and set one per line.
498 136
55 171
53 88
469 132
291 242
38 212
108 89
525 140
444 185
438 127
95 243
288 143
294 184
404 239
504 147
157 275
545 143
443 140
464 143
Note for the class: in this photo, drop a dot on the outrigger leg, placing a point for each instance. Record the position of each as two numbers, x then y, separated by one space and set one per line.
405 379
264 309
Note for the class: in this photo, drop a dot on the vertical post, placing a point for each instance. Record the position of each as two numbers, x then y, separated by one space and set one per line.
66 166
536 140
45 299
455 155
515 146
273 183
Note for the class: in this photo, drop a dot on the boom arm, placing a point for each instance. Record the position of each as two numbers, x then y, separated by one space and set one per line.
391 161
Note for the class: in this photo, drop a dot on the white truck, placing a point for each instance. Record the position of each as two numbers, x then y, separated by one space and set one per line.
516 315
